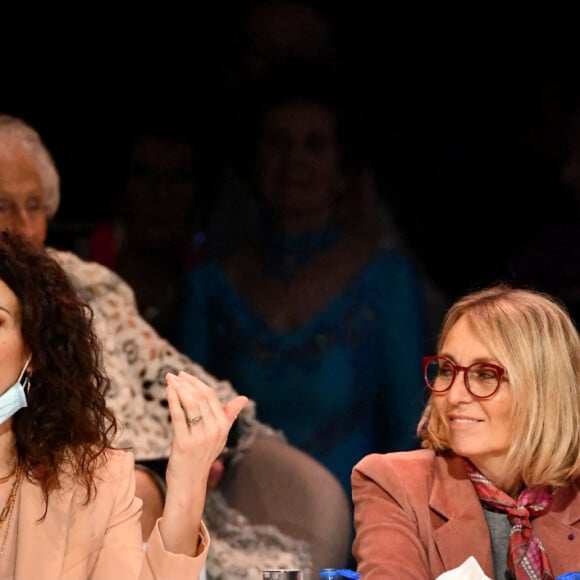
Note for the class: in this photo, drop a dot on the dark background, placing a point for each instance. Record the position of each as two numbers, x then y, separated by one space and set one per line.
464 114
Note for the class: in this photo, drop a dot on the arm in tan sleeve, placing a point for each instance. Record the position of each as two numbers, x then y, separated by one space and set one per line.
121 552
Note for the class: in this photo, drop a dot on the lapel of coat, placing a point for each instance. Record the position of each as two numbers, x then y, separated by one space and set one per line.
559 527
566 505
462 529
41 546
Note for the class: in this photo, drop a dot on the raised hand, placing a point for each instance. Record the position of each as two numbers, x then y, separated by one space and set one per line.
201 426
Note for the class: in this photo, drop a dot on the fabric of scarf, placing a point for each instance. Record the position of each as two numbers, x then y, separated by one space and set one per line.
527 558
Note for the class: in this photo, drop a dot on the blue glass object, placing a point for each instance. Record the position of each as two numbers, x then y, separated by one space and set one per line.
338 573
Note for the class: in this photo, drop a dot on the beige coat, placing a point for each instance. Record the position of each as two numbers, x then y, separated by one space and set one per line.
100 541
417 515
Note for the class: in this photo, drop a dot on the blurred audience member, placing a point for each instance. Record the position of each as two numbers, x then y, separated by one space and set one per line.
256 35
309 315
154 238
267 34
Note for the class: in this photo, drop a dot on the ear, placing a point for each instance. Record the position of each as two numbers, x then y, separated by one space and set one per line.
30 365
27 375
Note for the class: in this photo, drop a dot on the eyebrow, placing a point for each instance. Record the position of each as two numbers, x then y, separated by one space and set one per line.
7 311
478 359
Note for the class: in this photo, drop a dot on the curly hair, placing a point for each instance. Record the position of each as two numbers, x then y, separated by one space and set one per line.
66 427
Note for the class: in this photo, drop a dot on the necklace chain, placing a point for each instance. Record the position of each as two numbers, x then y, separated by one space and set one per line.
6 513
6 477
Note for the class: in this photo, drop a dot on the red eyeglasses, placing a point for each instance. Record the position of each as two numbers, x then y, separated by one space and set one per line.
482 379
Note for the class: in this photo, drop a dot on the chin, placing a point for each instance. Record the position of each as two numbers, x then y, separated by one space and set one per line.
468 449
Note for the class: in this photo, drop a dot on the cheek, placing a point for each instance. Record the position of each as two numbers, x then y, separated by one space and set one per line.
268 158
6 223
39 231
439 402
507 423
265 181
323 163
439 408
501 417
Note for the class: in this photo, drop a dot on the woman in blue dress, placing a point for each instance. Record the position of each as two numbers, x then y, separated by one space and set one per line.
311 318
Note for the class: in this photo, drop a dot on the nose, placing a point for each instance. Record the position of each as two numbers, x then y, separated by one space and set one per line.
458 392
297 153
22 223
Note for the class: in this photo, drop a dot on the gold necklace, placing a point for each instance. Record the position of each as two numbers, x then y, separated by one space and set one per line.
5 478
6 513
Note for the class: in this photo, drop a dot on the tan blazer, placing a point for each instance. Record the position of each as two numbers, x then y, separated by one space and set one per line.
417 515
100 541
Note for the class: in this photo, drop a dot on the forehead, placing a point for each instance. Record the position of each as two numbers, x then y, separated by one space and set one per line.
18 174
463 339
8 300
162 153
300 116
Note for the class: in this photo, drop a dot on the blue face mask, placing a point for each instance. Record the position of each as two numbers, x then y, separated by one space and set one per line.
14 398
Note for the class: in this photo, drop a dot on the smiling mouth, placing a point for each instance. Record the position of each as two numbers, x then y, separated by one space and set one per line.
464 420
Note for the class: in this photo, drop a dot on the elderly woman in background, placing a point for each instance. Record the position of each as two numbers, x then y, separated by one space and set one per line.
500 476
68 500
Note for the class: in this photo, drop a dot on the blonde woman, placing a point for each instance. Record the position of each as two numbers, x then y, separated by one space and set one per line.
499 478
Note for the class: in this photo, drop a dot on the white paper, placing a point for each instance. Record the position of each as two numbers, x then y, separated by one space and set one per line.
469 570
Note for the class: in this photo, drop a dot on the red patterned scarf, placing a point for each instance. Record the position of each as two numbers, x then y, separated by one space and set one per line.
527 558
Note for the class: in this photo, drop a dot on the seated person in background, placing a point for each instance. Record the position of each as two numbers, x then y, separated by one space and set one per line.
69 503
152 240
499 479
136 359
321 326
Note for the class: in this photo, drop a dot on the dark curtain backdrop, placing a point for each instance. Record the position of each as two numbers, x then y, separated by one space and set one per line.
464 114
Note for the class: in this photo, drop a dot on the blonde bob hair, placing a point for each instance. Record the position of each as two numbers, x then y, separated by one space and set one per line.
534 339
15 134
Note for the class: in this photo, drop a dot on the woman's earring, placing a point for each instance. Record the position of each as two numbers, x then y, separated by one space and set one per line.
26 383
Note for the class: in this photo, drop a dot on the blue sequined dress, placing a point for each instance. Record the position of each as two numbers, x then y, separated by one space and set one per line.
345 384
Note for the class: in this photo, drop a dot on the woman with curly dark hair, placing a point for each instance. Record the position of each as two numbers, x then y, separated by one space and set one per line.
67 503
